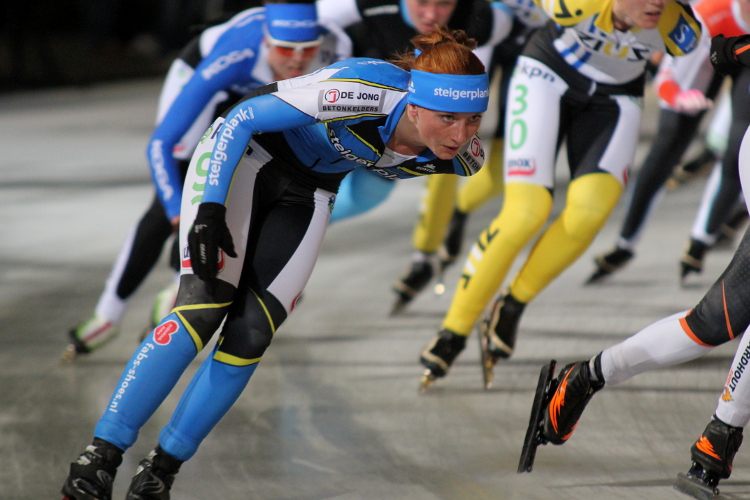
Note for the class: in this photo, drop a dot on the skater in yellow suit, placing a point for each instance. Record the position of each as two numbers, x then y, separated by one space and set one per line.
580 78
439 232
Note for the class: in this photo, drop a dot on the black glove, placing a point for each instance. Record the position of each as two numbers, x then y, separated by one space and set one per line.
208 234
729 55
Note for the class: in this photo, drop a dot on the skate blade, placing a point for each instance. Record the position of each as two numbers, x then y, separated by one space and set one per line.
399 306
439 288
488 361
686 273
597 277
69 354
428 378
534 436
697 489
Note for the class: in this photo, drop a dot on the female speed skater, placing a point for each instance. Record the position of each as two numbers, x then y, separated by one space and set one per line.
393 25
721 315
580 78
212 72
259 192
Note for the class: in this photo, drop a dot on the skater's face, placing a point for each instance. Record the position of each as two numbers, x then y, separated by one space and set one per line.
290 59
425 14
644 13
441 132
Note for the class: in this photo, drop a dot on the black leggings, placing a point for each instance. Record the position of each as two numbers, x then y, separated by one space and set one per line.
152 232
724 312
728 190
674 134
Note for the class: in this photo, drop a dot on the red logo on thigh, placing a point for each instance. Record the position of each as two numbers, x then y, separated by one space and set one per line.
163 332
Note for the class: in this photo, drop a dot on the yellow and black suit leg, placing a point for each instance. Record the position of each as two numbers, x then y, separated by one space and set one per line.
590 200
525 210
435 213
485 184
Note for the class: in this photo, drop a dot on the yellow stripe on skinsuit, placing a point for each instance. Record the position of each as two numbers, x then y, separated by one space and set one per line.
231 359
362 140
196 338
411 171
364 82
193 307
193 334
467 170
363 115
265 310
234 360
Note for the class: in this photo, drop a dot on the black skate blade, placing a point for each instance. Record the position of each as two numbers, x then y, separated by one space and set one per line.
597 277
697 489
534 436
399 306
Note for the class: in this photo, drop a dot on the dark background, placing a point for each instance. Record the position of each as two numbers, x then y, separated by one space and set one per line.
53 43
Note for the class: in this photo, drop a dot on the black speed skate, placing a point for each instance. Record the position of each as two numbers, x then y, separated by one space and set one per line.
154 477
414 281
731 227
451 247
712 455
92 475
608 263
692 169
692 260
497 334
89 335
439 356
534 433
562 402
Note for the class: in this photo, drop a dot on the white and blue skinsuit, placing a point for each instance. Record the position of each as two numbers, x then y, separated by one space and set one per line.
212 72
275 162
388 22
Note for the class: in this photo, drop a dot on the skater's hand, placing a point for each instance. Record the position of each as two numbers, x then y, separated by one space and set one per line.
729 55
691 102
208 235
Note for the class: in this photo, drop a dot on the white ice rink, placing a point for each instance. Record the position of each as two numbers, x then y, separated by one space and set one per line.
333 411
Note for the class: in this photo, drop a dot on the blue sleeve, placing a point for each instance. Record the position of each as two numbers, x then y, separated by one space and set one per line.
265 113
188 105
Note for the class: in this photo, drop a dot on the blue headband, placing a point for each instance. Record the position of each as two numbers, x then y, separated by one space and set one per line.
292 22
452 93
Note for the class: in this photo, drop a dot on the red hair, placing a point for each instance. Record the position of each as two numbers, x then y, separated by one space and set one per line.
443 51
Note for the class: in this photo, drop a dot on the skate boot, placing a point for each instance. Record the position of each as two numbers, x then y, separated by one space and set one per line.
451 247
439 356
608 263
497 333
712 456
698 166
575 388
414 281
154 477
92 475
163 305
692 260
730 229
89 335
